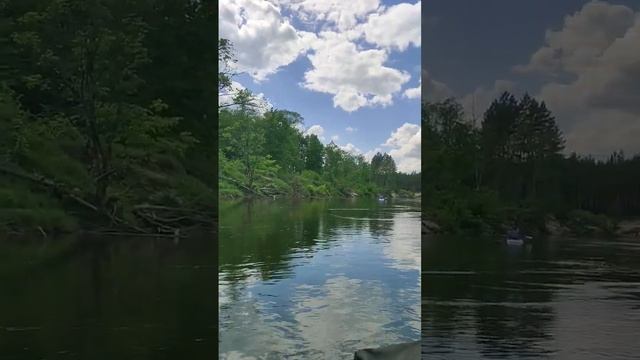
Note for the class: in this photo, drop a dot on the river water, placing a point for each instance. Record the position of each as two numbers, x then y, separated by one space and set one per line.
317 279
562 298
107 298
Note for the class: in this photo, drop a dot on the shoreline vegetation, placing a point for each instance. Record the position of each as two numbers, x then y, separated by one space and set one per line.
264 153
98 131
511 169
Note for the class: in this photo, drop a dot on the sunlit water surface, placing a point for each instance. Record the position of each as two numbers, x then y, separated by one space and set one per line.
317 280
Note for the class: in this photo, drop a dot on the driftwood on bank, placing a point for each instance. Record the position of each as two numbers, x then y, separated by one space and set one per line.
163 219
60 190
170 220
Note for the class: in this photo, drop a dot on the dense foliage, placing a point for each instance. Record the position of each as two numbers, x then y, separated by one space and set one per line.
512 168
105 106
265 153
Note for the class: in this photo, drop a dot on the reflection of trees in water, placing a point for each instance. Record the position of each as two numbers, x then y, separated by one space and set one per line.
266 235
95 293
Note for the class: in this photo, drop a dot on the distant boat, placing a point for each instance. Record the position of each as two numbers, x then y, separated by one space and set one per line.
515 242
515 238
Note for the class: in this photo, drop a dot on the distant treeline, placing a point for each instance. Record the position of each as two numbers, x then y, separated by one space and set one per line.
511 168
107 114
265 153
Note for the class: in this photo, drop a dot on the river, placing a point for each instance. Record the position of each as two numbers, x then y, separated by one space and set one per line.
107 298
561 298
317 279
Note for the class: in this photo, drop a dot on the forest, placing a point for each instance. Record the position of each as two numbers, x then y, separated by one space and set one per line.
107 118
108 122
511 168
264 153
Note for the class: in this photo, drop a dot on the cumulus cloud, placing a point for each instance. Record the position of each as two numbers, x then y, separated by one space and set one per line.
335 138
434 90
371 153
585 36
316 130
396 28
405 144
413 93
350 129
351 149
342 14
263 39
356 78
592 64
598 109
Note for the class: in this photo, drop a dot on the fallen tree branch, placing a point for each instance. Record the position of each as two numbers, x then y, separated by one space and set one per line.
238 183
62 192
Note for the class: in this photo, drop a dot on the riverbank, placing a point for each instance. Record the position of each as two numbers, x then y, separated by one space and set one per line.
40 206
574 223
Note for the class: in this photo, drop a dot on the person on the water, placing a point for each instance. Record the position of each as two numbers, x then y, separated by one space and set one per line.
514 232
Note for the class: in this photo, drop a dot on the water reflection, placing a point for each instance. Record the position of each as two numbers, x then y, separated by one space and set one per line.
107 298
559 298
317 280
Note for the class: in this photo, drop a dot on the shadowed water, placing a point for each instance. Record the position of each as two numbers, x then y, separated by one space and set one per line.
317 280
107 298
555 299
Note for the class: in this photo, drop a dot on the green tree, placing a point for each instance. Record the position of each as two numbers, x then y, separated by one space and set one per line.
314 156
283 138
244 140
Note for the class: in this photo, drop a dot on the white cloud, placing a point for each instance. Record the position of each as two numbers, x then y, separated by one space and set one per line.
413 93
585 36
324 326
356 78
350 129
335 138
316 130
405 147
343 14
598 110
371 153
351 149
396 28
262 38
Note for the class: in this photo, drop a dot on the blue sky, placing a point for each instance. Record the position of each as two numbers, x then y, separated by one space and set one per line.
581 57
350 68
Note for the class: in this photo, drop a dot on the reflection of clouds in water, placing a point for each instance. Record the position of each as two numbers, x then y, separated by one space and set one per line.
349 315
246 323
230 290
403 247
331 321
235 355
336 316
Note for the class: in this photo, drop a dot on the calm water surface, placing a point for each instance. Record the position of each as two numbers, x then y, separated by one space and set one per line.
107 298
317 280
556 299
